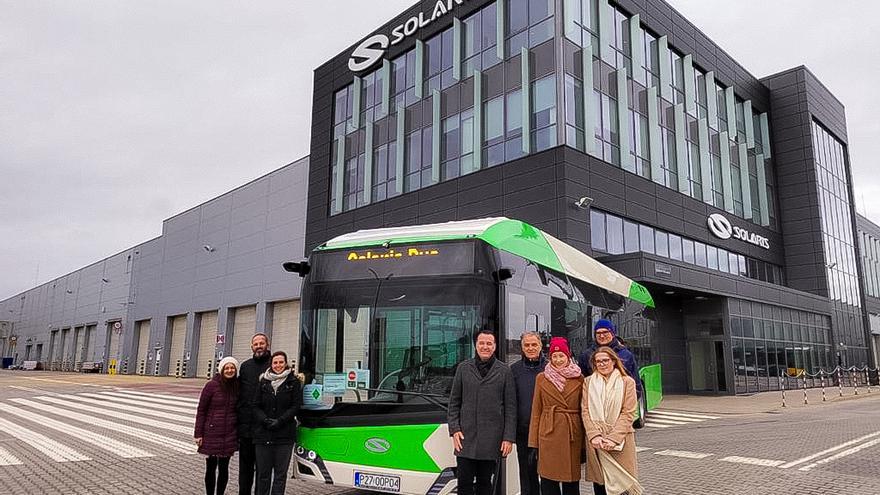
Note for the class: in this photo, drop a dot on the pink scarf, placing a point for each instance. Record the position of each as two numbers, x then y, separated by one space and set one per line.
558 376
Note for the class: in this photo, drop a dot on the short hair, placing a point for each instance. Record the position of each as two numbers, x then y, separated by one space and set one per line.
530 333
485 331
260 334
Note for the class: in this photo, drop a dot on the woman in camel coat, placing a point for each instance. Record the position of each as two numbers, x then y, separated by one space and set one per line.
555 428
608 403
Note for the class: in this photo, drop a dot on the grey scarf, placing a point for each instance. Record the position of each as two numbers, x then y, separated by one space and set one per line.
275 379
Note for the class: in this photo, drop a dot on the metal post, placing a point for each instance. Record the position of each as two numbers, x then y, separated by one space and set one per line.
839 382
782 386
822 378
867 380
804 381
855 379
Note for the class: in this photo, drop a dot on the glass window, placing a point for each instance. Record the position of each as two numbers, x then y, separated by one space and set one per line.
630 237
712 257
661 243
687 251
646 239
615 234
597 230
700 254
723 261
675 247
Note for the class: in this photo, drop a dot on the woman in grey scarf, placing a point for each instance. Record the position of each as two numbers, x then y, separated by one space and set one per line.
275 407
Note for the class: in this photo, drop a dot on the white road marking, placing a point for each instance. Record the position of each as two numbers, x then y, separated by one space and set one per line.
151 400
655 425
651 419
752 461
54 450
173 444
115 414
135 402
642 449
28 389
829 450
653 415
83 384
159 396
683 415
190 419
840 455
103 442
683 453
7 459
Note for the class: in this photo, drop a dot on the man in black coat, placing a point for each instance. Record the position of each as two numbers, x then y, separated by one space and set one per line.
482 416
249 381
525 371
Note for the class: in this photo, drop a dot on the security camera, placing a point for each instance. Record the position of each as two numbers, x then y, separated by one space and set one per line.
209 248
583 203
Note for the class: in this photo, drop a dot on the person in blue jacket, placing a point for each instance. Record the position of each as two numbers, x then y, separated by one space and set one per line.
605 334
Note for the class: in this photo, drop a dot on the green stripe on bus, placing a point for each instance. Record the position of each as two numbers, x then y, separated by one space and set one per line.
404 445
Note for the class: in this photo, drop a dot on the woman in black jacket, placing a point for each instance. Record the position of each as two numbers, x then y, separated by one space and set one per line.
275 406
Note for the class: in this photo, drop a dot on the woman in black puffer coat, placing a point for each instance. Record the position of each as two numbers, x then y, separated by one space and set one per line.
215 431
277 402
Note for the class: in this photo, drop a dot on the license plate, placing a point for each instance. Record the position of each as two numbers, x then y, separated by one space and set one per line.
381 482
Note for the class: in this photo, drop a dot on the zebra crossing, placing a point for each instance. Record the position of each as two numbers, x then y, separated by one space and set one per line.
659 418
94 426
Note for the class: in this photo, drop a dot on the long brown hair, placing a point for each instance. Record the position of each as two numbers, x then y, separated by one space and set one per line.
614 357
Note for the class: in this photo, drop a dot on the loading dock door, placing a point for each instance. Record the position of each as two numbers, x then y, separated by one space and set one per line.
88 344
243 328
285 329
61 357
143 349
207 344
178 343
113 345
75 354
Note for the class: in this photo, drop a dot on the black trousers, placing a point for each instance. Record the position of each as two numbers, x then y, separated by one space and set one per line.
599 489
528 470
475 476
216 475
247 459
272 464
552 487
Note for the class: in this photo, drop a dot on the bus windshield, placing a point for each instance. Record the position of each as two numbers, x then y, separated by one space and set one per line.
405 335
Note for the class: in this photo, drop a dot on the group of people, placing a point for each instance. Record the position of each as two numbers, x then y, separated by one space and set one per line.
559 412
250 409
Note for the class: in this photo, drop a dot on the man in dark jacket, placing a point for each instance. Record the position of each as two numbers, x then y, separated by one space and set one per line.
482 416
606 335
249 380
524 373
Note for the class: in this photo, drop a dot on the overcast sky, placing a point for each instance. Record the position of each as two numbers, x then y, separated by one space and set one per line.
116 114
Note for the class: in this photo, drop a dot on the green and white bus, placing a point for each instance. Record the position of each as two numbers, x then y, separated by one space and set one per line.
388 314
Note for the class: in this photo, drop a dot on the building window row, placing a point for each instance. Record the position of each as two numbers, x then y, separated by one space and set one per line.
414 122
770 340
837 217
869 247
611 234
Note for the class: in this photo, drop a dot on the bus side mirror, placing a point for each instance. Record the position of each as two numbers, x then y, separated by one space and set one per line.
302 267
504 274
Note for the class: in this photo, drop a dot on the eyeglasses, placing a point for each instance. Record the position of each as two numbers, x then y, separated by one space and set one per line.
603 361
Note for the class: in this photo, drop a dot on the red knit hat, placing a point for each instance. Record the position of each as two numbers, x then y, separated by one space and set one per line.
559 344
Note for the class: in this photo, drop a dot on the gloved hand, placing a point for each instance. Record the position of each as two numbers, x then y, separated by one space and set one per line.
270 423
533 456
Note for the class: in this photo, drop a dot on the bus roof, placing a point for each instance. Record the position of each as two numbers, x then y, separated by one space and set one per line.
513 236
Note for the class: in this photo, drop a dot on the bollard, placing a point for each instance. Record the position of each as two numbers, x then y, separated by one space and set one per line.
853 380
804 381
177 369
867 380
839 382
156 368
782 386
125 367
209 371
183 369
822 379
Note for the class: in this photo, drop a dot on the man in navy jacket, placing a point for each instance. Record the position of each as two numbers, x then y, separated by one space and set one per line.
605 334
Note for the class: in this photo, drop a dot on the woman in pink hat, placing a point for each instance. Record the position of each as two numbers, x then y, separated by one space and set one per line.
556 429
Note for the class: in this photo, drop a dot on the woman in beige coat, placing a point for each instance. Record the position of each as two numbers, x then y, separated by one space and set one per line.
555 428
608 402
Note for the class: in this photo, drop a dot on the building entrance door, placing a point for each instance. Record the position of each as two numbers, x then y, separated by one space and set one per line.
706 366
